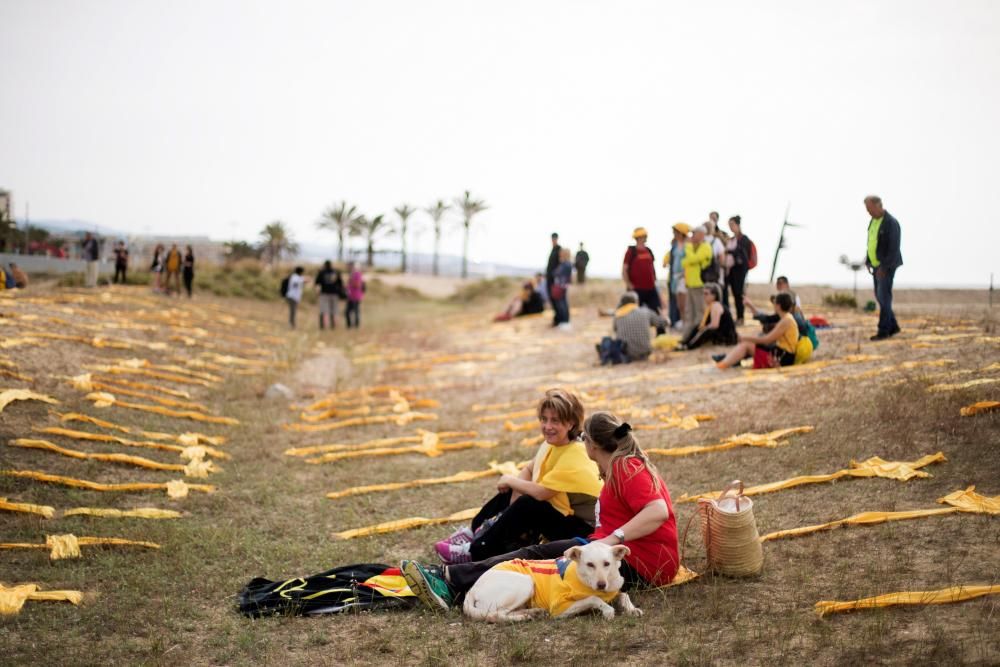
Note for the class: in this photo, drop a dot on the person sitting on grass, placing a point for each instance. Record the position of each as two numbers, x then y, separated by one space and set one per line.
631 328
716 327
774 348
634 509
527 302
552 497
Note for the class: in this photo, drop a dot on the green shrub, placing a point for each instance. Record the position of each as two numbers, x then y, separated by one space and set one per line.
840 300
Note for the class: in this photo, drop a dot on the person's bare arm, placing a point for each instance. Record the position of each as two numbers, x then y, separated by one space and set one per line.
646 522
774 334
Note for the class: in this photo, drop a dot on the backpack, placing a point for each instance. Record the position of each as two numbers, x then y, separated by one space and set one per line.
284 285
710 274
612 351
752 256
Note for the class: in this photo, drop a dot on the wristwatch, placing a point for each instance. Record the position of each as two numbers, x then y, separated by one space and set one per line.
620 534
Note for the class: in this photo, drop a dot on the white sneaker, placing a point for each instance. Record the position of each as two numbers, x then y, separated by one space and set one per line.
565 326
679 325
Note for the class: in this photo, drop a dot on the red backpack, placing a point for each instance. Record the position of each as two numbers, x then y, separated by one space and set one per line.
752 256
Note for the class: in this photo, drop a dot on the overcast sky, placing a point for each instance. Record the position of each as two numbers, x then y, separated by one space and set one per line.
586 118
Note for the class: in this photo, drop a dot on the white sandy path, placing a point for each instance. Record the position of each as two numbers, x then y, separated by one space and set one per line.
436 287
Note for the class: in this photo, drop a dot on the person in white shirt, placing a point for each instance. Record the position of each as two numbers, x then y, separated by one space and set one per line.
293 295
718 246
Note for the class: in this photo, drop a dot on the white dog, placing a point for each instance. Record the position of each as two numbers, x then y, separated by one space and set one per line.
586 578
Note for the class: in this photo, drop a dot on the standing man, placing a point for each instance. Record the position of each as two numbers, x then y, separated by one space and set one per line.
639 271
173 264
91 251
121 262
697 257
330 286
550 273
581 261
883 258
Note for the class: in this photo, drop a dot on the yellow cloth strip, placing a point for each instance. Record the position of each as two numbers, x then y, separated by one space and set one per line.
373 444
195 468
980 407
68 546
399 420
772 439
942 596
427 450
490 407
14 375
8 396
27 508
86 383
182 438
873 467
520 427
183 450
138 513
401 406
405 524
970 501
25 341
509 415
169 377
102 399
175 488
862 519
686 423
532 441
505 468
12 598
132 384
963 385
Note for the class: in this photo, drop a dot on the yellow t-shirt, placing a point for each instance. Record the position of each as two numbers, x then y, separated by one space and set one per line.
789 341
556 583
566 469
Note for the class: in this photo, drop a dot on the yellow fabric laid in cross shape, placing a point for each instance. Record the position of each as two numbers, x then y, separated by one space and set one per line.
772 439
12 598
873 467
960 501
103 400
505 468
185 451
981 407
176 488
377 443
397 419
195 468
8 396
430 446
86 383
68 546
941 596
187 438
405 524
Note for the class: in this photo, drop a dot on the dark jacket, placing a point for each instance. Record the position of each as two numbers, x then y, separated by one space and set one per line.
550 269
887 248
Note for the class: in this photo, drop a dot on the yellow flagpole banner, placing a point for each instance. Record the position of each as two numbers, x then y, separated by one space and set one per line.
873 467
405 524
68 546
12 598
979 408
27 508
8 396
941 596
960 501
772 439
505 468
176 488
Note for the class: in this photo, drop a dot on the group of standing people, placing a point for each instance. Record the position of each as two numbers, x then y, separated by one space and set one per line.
168 267
330 288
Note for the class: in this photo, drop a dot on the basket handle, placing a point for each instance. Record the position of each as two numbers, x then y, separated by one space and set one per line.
733 485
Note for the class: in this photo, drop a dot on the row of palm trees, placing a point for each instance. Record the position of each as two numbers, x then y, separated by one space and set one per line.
345 220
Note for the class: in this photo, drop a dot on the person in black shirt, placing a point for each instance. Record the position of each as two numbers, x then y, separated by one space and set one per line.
331 286
581 260
121 262
187 269
550 272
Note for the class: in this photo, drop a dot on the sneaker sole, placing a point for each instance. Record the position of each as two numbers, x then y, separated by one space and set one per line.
415 580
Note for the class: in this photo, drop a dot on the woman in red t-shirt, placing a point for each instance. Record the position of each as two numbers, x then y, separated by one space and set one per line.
634 508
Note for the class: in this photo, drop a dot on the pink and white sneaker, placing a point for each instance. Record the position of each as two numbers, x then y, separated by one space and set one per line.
461 536
451 554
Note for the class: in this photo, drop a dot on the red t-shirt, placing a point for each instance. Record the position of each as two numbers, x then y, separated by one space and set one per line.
654 556
641 271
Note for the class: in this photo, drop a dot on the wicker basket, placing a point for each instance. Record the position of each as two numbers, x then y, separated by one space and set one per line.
728 527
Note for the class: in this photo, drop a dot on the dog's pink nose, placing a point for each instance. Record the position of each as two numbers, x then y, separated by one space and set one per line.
601 585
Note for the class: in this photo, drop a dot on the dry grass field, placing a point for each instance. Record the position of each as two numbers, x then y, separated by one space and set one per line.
269 515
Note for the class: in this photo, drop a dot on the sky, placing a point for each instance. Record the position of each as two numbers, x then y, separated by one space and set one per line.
586 118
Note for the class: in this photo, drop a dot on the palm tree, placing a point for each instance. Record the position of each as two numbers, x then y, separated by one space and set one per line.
276 241
437 212
339 218
370 228
469 207
404 212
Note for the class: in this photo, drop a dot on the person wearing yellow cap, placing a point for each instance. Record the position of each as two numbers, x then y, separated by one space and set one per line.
639 272
675 282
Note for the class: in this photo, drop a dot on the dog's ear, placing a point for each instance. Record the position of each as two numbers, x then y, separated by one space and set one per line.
619 552
573 553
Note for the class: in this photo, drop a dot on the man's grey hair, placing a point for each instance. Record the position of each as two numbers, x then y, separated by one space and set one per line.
875 199
628 297
700 228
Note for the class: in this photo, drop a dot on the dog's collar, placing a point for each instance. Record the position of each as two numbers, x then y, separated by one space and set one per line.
562 564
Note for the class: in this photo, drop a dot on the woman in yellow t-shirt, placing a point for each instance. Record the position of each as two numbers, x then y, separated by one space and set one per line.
779 343
552 497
